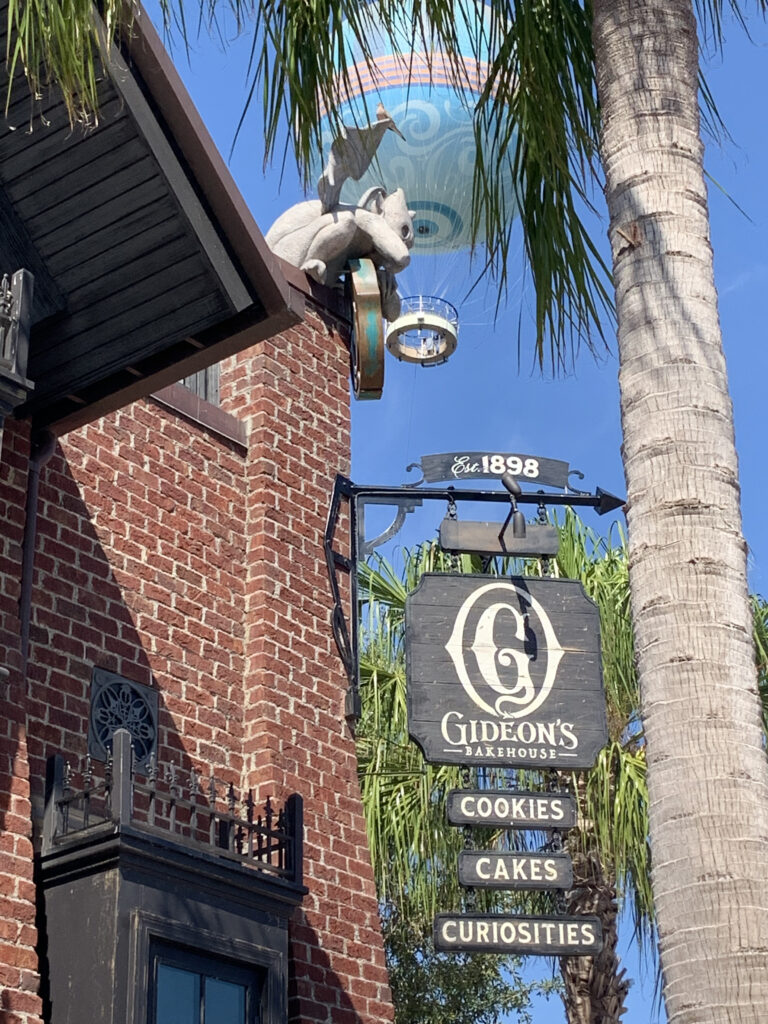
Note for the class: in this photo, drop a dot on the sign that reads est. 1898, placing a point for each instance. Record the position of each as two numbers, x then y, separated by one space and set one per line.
504 671
496 933
478 465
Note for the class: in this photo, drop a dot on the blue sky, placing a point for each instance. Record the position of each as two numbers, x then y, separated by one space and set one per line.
483 399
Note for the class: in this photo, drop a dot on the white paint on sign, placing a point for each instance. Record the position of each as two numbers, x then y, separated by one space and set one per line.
545 936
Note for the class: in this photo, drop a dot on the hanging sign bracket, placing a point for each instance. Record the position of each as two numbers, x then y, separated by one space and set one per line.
483 538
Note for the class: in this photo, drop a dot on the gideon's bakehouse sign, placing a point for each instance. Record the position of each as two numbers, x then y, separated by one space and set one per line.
504 671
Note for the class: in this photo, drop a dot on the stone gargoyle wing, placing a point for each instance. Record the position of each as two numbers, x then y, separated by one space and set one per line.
351 155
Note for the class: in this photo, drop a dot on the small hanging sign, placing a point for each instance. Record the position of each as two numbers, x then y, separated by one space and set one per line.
493 465
496 933
485 870
540 540
510 809
504 671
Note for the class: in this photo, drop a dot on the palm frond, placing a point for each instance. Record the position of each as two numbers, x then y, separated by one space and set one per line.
760 633
613 800
536 126
64 43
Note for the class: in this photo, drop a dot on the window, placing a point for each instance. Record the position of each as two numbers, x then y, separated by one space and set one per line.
205 384
167 933
187 988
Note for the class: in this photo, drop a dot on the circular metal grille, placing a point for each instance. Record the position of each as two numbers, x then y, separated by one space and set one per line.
118 703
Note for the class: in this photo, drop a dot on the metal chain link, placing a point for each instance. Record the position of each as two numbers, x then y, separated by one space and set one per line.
452 561
543 519
470 898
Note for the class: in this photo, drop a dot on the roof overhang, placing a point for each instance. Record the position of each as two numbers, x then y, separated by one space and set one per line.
148 264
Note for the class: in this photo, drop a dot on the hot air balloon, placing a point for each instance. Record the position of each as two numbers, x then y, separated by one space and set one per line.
432 159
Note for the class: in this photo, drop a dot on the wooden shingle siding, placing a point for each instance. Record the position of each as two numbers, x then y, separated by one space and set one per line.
133 289
60 145
136 236
29 113
108 279
73 168
60 206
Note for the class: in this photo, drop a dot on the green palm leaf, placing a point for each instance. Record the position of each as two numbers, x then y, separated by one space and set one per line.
760 626
537 115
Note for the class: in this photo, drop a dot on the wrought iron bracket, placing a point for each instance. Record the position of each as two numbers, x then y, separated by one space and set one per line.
405 499
343 490
404 506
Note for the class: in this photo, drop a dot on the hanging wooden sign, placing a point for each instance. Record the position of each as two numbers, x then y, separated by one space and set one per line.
510 809
504 671
539 540
482 869
495 933
493 465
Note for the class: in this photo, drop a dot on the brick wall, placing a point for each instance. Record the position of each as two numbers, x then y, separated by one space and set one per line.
192 564
296 405
19 1002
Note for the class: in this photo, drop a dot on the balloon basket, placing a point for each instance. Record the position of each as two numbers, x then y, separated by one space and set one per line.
426 331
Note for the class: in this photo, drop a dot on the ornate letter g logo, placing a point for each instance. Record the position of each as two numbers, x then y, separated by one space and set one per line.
518 697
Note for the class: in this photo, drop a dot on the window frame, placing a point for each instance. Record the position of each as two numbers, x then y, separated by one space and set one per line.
204 965
265 965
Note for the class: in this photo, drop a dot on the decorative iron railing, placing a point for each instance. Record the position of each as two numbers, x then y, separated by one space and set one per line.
185 807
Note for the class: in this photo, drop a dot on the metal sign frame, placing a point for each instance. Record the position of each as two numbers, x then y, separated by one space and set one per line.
405 499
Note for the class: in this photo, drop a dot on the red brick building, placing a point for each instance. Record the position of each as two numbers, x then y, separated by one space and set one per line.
162 572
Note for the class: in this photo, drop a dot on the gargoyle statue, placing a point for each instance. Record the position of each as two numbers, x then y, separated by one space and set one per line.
321 236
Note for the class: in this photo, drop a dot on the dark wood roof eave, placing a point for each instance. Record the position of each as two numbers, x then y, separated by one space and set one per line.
145 49
69 414
149 265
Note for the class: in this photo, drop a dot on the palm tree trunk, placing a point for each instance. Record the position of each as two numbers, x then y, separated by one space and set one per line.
595 987
707 771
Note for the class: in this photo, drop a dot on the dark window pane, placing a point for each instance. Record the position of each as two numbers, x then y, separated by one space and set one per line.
178 996
224 1002
192 988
